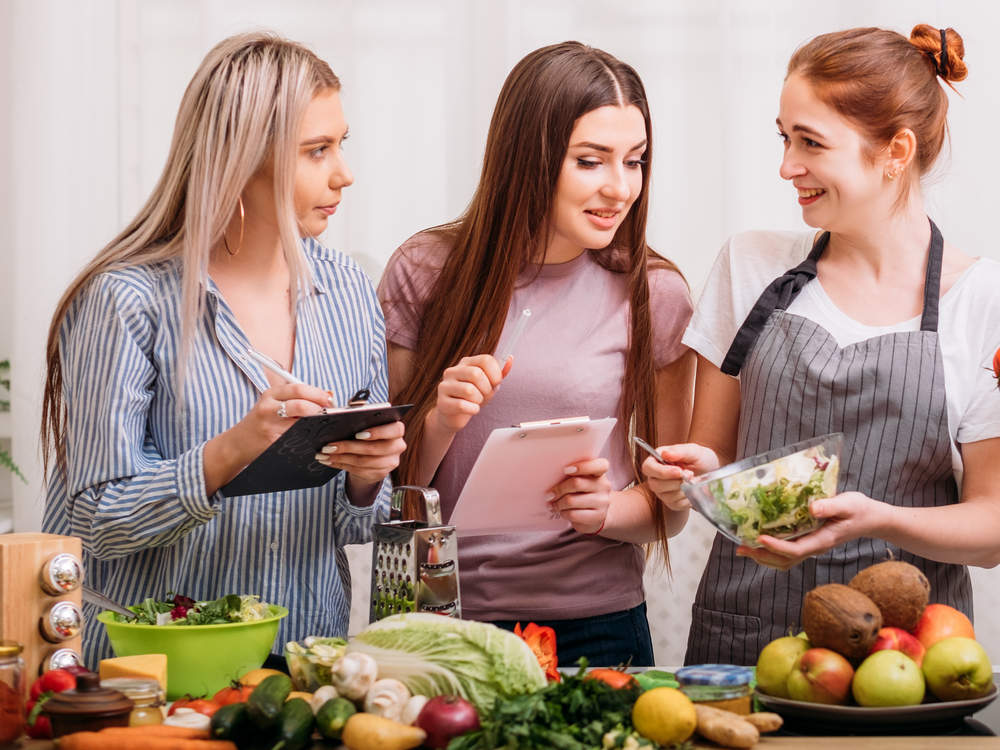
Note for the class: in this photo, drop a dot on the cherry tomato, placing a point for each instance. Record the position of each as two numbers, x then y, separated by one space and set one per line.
55 680
996 364
201 705
235 693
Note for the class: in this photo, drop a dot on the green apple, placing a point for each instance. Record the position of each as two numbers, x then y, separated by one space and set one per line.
888 678
957 668
775 664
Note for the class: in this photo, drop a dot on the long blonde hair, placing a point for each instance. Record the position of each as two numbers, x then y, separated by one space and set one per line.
243 107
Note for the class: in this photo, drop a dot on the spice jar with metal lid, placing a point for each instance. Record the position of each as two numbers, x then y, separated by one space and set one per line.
11 692
147 695
61 621
88 708
724 686
61 574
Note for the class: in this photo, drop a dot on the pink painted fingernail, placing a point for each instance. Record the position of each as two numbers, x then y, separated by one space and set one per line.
570 470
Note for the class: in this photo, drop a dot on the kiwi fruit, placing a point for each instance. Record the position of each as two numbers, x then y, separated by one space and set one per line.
899 590
842 619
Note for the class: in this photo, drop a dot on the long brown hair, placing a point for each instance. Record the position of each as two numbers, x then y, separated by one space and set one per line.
883 82
507 223
243 106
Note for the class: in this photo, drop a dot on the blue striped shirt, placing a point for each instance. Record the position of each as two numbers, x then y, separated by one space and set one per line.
134 488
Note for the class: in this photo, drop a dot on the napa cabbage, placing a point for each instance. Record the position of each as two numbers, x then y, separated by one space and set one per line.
435 655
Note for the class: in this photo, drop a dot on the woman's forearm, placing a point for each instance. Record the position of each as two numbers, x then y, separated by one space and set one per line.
967 533
434 446
630 518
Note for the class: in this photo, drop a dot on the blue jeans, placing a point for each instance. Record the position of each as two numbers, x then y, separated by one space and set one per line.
606 640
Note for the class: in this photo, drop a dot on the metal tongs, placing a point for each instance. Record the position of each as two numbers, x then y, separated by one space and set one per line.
102 601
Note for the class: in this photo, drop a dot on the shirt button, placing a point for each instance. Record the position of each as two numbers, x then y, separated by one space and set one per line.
274 546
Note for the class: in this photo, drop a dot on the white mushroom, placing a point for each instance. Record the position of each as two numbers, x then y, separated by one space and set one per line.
353 674
412 709
387 698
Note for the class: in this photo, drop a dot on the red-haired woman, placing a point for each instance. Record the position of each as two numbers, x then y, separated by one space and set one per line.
880 330
557 225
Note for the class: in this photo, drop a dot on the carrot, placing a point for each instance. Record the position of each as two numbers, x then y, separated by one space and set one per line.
159 730
118 741
616 678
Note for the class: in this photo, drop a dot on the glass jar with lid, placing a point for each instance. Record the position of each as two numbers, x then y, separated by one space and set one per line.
147 695
724 686
11 692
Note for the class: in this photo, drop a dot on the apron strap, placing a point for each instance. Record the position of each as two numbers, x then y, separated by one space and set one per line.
780 293
932 281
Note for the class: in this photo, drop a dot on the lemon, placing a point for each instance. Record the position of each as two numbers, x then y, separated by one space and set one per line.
664 715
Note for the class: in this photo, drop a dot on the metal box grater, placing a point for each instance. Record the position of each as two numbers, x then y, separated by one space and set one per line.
414 562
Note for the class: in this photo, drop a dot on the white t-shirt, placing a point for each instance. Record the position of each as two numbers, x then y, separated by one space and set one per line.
968 323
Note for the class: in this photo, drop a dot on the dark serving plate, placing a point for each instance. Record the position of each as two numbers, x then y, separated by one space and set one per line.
859 719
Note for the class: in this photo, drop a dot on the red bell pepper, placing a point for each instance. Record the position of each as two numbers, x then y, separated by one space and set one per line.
542 641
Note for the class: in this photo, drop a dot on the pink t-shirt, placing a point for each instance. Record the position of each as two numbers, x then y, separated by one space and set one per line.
569 362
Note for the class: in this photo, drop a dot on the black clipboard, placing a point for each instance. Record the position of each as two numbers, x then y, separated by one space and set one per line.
289 463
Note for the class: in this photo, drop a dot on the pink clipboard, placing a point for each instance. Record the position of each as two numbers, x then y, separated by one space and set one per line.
506 489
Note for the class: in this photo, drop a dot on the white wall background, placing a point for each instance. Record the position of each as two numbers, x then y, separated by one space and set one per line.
90 91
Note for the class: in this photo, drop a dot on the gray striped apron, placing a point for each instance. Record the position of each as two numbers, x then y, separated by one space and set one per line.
887 395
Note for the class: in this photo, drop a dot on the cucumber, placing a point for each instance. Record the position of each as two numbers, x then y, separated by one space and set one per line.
229 721
267 700
295 725
332 716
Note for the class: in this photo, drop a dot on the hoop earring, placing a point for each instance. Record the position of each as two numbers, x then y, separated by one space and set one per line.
242 224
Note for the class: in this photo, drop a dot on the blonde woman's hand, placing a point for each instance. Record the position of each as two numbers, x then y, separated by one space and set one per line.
584 497
684 461
370 457
465 388
276 410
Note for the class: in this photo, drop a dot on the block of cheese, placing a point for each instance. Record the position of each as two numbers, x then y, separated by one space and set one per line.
150 666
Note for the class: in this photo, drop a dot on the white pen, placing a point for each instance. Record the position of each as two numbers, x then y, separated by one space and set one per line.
266 362
511 342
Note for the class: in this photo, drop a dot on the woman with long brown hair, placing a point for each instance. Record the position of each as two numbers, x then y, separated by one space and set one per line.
154 400
557 224
869 324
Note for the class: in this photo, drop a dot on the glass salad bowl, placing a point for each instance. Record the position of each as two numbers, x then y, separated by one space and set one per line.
769 493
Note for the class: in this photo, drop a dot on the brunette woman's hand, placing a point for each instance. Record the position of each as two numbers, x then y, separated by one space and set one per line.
465 388
684 461
583 498
369 458
848 516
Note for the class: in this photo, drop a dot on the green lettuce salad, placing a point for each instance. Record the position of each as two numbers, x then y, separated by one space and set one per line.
774 499
176 609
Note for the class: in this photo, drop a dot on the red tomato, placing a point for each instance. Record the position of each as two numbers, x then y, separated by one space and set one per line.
235 693
996 364
201 705
55 680
41 728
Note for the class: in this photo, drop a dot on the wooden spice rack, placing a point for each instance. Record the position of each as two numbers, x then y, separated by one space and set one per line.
22 599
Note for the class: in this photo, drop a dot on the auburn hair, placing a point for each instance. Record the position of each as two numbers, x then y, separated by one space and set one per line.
884 83
506 226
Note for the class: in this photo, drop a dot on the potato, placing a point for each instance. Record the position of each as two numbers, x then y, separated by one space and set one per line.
368 731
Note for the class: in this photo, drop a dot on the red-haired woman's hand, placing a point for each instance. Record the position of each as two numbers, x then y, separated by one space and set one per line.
683 462
465 388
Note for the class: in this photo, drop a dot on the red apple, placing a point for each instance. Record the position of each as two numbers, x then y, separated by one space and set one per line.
897 639
941 621
820 676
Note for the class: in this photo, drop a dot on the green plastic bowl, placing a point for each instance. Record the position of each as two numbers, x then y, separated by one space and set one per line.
201 659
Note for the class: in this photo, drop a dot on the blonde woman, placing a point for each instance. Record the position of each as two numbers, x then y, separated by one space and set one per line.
151 402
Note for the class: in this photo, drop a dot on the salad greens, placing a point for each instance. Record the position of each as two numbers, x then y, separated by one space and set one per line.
175 609
575 714
774 498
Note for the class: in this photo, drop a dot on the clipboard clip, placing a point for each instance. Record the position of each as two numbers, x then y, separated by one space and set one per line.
552 422
360 398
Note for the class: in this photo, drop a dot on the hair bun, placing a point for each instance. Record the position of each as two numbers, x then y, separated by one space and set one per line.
927 39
